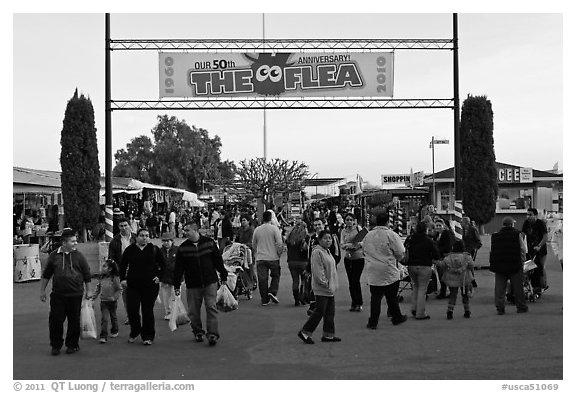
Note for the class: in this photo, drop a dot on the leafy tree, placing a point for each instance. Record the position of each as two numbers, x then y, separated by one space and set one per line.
478 168
179 156
80 169
265 179
136 161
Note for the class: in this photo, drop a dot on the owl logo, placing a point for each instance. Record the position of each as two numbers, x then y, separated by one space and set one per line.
268 73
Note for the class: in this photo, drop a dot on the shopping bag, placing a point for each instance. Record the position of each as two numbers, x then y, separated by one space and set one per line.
225 300
87 320
178 316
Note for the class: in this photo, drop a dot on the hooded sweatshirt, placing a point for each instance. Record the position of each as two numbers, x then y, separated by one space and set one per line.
68 270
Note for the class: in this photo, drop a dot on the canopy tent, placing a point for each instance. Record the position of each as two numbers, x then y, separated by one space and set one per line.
35 181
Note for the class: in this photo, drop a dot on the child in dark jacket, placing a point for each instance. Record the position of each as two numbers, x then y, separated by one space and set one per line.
109 289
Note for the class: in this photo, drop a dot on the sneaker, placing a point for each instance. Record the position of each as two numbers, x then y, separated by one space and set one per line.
71 350
199 337
114 335
358 308
147 342
273 298
500 312
265 304
212 340
467 314
449 315
402 319
331 339
102 340
307 339
55 351
167 317
131 340
373 327
352 308
424 317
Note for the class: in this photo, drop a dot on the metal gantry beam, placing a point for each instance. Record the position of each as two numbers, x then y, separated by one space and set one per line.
278 45
285 103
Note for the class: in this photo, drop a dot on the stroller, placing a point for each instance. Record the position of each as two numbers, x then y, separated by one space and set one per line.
529 293
237 259
405 282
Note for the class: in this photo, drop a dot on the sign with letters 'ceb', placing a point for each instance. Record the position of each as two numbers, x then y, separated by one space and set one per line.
213 75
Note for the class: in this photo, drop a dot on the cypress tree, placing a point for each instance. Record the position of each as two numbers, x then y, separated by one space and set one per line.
79 161
478 166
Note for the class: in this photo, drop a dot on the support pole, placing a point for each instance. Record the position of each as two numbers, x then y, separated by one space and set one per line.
457 173
108 137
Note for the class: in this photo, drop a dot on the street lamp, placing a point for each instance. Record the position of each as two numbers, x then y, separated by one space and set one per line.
432 143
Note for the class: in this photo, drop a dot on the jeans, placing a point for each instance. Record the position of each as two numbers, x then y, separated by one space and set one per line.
516 282
167 296
454 295
143 299
391 294
264 268
354 270
420 276
325 309
108 311
62 308
194 299
297 271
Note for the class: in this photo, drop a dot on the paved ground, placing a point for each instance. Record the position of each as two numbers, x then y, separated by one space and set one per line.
260 343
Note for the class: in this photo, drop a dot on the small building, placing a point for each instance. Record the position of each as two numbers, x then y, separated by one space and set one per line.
519 188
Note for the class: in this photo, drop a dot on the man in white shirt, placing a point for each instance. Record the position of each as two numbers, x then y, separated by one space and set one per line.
382 249
267 242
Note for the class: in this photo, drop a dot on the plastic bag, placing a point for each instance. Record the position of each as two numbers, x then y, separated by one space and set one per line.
225 300
231 280
178 316
88 320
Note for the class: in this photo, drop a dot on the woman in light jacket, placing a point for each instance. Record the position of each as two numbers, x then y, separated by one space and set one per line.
324 285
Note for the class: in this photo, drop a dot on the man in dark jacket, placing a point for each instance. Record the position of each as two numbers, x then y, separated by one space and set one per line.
200 261
70 276
506 262
118 244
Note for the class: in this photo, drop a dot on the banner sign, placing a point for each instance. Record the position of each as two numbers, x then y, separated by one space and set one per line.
514 175
213 75
392 179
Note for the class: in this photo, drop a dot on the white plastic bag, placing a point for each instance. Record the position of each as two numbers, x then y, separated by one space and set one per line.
231 280
178 316
88 320
225 300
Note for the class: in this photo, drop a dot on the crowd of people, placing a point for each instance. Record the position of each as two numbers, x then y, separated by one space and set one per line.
139 272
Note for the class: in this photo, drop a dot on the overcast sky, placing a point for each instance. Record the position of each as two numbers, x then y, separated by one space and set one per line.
513 59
